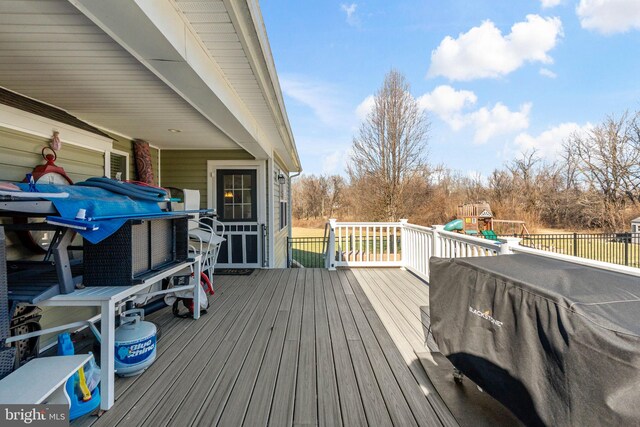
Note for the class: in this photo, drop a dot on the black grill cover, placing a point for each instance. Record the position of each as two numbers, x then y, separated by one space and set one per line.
557 343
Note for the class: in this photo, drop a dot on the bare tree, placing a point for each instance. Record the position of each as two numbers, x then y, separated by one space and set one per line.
608 162
335 194
389 149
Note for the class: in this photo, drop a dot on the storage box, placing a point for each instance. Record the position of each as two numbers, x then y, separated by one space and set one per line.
138 250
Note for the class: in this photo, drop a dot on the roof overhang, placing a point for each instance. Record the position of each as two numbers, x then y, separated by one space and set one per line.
139 68
156 35
163 39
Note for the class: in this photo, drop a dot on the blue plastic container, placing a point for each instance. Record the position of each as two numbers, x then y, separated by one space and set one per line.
78 406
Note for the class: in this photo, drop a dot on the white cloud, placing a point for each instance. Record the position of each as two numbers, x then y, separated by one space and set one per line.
483 52
449 105
548 144
320 97
609 16
364 108
548 73
546 4
334 162
499 120
350 10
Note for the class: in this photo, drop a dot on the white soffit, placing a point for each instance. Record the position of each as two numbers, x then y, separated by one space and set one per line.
217 24
51 52
156 34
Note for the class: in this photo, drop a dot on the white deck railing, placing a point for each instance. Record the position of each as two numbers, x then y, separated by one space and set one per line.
372 244
400 244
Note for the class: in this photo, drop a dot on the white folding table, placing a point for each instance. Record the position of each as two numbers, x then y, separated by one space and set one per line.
107 298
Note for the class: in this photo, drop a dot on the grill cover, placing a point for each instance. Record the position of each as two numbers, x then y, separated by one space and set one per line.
557 343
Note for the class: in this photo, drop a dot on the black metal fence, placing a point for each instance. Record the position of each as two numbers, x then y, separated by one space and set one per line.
307 252
617 248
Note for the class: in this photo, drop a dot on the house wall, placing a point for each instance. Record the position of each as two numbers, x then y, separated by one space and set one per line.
279 235
188 168
19 154
121 143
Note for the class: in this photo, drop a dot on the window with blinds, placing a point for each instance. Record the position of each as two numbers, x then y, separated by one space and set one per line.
118 166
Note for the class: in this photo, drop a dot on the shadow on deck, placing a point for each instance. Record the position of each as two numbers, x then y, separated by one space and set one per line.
293 347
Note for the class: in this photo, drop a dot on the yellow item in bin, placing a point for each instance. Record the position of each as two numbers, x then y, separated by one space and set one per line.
86 394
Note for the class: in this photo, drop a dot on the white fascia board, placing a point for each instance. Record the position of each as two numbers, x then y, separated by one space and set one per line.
154 33
33 124
267 59
255 41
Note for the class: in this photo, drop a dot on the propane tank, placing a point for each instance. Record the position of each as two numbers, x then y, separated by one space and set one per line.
135 342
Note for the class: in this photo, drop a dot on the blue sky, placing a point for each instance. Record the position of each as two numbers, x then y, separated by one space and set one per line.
495 77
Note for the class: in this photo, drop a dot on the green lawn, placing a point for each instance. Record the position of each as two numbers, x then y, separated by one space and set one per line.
599 248
307 232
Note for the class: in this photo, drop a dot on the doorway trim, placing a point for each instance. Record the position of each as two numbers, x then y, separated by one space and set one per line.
260 166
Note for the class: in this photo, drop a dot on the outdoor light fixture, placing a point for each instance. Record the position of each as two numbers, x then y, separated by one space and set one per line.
281 179
174 130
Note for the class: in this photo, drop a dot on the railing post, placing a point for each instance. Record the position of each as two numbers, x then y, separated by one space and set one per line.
404 249
330 260
575 244
627 238
437 247
506 248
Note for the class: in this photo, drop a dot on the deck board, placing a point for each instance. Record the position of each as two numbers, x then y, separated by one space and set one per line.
305 408
350 400
187 331
194 387
395 401
328 397
288 347
262 395
406 340
163 407
285 392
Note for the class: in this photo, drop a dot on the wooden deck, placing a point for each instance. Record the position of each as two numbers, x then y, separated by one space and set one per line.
289 347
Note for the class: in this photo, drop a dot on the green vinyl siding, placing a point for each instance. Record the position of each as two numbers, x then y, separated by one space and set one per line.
279 235
280 248
121 143
155 164
21 152
188 168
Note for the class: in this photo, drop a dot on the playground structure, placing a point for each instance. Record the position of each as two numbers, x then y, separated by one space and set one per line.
477 219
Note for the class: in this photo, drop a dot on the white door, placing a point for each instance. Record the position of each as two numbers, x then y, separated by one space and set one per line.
236 192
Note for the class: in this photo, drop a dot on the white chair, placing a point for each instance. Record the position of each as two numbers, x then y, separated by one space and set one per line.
205 239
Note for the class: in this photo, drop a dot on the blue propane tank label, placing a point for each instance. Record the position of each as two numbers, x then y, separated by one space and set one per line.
134 352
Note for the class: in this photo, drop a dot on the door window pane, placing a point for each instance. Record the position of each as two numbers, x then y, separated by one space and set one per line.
237 195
